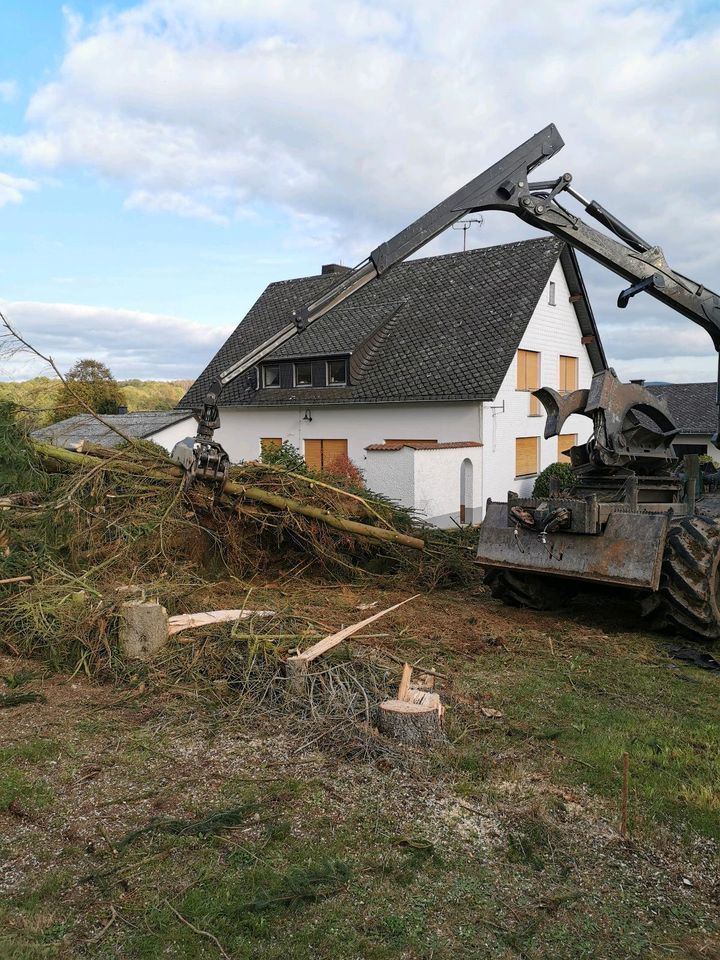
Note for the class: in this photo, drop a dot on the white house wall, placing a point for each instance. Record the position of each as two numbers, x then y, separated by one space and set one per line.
552 331
700 438
177 431
242 427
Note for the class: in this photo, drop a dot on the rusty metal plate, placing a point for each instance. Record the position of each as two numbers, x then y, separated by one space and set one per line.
628 553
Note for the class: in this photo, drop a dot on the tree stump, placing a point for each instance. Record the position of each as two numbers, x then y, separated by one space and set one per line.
143 628
415 723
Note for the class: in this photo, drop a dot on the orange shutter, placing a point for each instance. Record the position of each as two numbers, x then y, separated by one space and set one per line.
565 441
319 454
528 376
313 454
526 456
331 450
267 443
568 374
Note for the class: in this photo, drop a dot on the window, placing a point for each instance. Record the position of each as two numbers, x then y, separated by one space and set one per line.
337 373
568 374
320 454
551 293
268 443
526 456
565 441
271 375
528 376
303 374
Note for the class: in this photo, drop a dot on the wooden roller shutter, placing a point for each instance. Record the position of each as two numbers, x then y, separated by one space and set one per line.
313 454
528 376
331 450
526 456
568 374
267 443
565 441
319 454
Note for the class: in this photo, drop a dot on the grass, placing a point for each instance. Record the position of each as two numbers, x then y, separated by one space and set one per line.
477 853
589 709
17 788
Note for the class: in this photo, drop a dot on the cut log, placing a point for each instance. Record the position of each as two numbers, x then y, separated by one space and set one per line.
417 724
232 488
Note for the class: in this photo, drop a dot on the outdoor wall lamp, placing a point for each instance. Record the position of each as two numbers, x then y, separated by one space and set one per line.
308 416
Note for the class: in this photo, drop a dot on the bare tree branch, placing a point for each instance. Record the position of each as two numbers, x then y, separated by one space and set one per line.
24 344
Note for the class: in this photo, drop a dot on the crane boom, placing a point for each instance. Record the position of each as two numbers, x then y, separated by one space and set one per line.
504 186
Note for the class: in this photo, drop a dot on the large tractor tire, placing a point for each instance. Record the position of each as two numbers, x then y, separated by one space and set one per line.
689 594
519 589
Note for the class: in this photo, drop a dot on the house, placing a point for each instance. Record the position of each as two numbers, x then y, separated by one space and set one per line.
423 377
693 408
165 427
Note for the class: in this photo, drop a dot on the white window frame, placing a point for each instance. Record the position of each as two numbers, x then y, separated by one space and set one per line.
295 378
344 362
270 386
551 294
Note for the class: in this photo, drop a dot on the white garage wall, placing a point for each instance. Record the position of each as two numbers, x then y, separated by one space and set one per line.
437 484
428 481
552 331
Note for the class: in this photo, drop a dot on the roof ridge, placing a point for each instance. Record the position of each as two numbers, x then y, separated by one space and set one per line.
547 241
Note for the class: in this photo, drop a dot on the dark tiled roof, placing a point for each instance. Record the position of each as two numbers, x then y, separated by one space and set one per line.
438 328
69 433
692 405
424 445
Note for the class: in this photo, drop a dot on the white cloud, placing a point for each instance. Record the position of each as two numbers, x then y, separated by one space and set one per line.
132 344
13 189
356 117
8 90
170 201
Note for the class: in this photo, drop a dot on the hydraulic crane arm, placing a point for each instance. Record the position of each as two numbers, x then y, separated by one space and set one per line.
516 164
504 186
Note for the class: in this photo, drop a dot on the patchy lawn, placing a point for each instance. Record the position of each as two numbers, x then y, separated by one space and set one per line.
159 818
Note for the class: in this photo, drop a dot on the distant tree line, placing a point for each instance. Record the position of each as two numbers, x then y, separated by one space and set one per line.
45 400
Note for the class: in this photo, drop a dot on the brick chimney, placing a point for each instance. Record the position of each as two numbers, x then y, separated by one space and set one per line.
334 268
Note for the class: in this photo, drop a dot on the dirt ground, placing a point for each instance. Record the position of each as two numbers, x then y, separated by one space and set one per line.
160 818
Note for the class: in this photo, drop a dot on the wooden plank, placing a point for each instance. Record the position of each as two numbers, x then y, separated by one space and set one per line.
327 643
188 621
405 682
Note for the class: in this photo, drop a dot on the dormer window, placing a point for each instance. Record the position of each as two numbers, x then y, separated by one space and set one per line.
271 375
337 373
303 374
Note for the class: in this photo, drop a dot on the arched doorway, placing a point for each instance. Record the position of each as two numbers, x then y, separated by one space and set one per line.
466 491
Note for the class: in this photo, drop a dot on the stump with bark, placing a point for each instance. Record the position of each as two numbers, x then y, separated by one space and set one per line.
417 722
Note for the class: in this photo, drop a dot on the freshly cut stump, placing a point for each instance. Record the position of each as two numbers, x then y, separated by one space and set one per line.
143 628
417 724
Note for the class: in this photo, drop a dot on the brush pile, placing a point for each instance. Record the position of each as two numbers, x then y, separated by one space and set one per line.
99 526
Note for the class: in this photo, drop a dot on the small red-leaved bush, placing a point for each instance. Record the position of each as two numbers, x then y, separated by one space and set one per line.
343 467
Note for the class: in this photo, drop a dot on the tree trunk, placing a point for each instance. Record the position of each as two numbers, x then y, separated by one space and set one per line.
417 724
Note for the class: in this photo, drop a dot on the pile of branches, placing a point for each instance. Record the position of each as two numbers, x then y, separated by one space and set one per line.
87 525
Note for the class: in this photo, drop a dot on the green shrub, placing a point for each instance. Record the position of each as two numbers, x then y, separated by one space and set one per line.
563 471
286 455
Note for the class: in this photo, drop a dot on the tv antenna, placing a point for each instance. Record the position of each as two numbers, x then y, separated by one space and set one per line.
465 225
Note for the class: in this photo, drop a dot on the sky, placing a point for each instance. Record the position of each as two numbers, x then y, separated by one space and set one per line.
162 161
